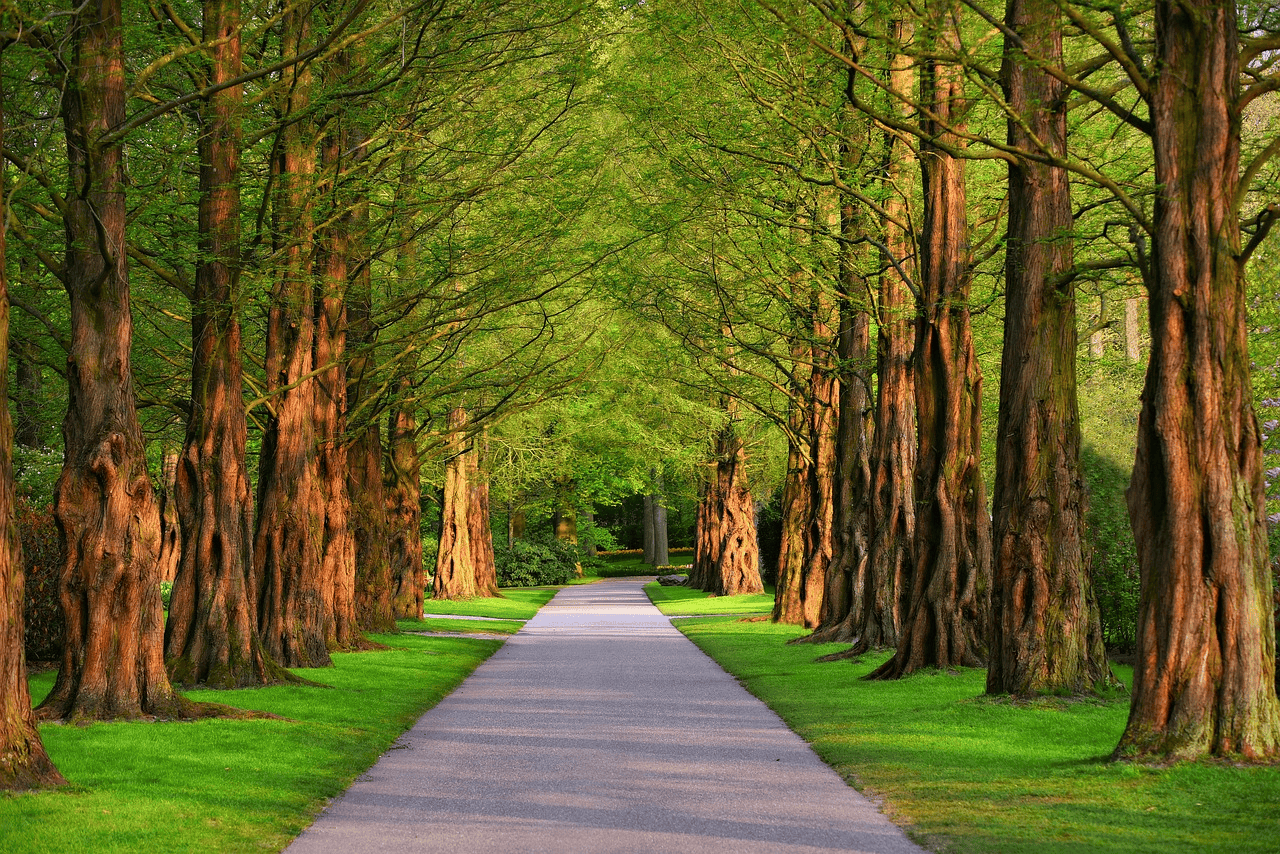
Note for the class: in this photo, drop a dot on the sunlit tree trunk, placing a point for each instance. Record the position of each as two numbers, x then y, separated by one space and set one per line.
1204 679
24 763
211 636
170 524
736 568
292 599
1046 629
480 528
706 535
455 576
113 661
947 621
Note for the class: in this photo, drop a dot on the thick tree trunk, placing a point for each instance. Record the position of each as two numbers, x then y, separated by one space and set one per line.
24 764
28 393
211 636
455 576
706 535
736 569
807 498
948 618
1204 680
1046 630
480 528
113 661
292 599
404 510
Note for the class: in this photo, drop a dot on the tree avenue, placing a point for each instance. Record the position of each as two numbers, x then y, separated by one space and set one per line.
443 269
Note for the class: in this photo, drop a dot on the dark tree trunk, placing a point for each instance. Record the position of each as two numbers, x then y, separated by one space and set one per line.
1204 680
28 394
455 576
1046 632
650 534
212 637
706 535
948 619
404 509
170 524
24 764
293 604
113 661
658 507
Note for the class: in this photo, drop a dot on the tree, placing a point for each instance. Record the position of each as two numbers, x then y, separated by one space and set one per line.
113 663
1046 631
1204 682
211 636
947 618
24 764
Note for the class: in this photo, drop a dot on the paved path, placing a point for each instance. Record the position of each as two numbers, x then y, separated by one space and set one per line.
600 728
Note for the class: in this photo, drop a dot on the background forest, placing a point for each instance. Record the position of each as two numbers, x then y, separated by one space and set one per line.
312 303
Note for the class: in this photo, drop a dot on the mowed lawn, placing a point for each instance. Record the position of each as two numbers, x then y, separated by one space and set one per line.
967 773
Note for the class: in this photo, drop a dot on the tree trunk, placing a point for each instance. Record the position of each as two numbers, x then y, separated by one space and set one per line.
1046 632
480 528
1204 680
650 535
947 621
658 506
24 764
170 524
404 509
455 576
707 535
28 394
113 660
293 604
211 636
736 568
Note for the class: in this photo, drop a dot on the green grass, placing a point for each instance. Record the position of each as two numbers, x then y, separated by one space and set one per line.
969 774
439 624
216 786
516 603
683 602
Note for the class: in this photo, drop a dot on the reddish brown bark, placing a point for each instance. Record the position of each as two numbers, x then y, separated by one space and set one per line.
24 763
1204 679
113 662
806 550
736 569
293 602
947 621
706 535
404 510
170 524
1046 632
480 530
455 576
211 636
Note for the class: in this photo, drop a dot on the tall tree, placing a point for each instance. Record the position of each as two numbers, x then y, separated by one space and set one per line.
1204 681
24 764
113 660
455 575
1046 630
947 620
211 636
292 602
404 511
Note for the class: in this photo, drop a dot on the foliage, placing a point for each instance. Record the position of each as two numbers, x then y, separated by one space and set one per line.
964 773
43 624
35 472
534 564
211 786
1114 567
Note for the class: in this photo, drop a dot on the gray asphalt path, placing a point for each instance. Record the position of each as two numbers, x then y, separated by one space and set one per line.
600 728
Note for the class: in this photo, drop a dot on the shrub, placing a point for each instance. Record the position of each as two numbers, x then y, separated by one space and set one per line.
43 625
532 564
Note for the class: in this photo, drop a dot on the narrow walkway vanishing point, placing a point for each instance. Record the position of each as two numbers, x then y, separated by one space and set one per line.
600 728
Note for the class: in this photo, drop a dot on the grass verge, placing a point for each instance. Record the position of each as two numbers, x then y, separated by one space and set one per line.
221 786
443 624
516 603
684 602
965 773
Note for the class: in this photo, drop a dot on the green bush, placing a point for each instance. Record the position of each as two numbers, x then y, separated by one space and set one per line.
43 624
533 564
1114 567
